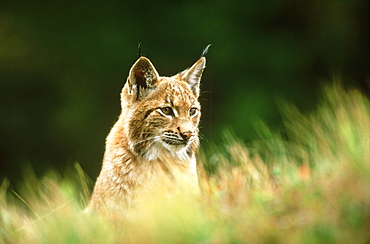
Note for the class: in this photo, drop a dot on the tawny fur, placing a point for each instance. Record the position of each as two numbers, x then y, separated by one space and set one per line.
155 137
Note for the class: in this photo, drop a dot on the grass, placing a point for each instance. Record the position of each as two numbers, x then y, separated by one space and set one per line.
308 184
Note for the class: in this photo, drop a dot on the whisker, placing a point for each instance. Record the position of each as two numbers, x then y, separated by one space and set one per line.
147 139
156 138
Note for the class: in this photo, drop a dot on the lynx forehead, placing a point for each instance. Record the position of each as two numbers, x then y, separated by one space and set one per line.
179 94
180 91
155 137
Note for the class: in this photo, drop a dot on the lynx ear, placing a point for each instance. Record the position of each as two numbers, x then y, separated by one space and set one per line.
142 77
193 75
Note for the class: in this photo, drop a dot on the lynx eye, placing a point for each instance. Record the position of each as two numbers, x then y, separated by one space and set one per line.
167 111
193 111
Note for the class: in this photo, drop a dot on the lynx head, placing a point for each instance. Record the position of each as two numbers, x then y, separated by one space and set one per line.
162 114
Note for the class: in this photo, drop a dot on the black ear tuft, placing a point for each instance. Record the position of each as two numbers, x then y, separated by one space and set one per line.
139 50
205 51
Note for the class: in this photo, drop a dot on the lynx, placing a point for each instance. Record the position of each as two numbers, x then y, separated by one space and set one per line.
155 137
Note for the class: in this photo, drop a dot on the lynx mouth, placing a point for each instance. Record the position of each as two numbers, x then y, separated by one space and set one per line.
174 142
173 139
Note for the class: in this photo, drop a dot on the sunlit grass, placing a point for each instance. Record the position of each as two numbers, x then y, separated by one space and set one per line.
309 184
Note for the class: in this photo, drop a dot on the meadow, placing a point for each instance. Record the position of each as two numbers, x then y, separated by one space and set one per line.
307 182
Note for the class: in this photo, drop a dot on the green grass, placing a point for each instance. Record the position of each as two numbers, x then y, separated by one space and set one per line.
309 184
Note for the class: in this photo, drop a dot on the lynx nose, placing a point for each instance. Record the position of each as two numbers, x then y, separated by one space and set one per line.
186 135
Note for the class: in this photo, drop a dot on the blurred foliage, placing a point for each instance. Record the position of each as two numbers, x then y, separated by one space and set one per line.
63 63
311 188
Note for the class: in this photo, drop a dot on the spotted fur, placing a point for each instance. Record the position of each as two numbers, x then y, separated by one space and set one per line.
155 137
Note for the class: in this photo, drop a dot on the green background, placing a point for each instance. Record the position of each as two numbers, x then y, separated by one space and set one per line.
63 64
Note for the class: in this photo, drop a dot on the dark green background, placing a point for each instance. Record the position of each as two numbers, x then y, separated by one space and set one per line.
63 64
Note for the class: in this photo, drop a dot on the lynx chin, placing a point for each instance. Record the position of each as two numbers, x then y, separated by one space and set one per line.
155 137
